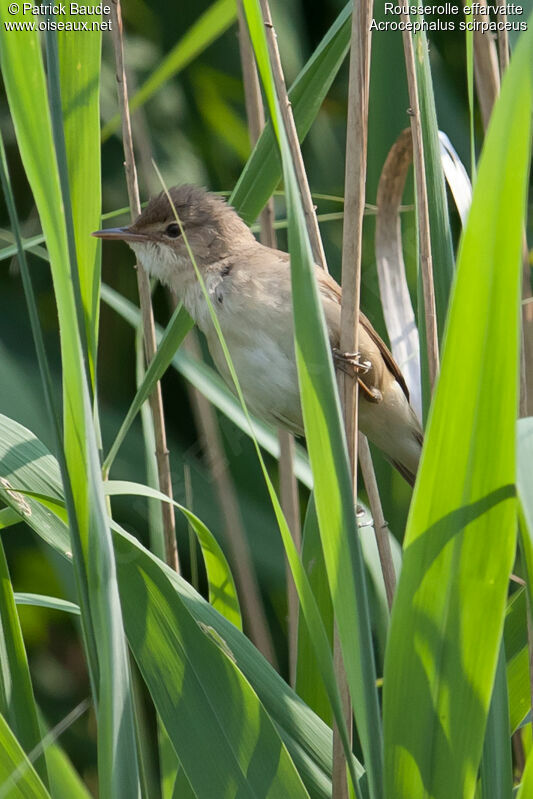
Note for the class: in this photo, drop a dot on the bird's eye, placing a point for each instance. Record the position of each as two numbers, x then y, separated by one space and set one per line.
173 230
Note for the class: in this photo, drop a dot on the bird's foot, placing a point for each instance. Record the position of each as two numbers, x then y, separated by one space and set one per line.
371 393
351 362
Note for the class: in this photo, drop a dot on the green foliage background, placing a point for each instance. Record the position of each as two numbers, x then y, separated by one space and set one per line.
194 125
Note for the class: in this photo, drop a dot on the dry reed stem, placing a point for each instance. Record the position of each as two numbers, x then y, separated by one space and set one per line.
352 245
486 73
503 44
289 498
354 209
156 399
292 136
519 755
426 261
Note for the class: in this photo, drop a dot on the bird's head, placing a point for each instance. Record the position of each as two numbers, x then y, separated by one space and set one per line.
211 227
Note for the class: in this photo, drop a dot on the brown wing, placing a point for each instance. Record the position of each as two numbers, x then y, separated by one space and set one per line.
385 352
331 289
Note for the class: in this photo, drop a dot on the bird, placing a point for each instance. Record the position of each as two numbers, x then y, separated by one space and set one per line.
249 285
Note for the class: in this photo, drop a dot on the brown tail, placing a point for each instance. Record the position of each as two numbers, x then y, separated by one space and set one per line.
405 473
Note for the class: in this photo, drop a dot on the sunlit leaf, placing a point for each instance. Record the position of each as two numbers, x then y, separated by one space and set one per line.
18 778
460 541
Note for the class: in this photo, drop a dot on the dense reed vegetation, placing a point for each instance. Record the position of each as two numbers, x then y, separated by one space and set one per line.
124 676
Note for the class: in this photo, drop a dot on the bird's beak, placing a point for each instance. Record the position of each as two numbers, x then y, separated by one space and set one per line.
122 233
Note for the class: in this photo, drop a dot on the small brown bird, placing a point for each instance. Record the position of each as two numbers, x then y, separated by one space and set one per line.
250 288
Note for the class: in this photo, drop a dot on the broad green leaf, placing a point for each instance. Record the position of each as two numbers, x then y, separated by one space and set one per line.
519 669
262 173
461 534
44 159
8 517
17 702
211 385
53 78
224 739
309 683
168 762
212 24
51 602
517 655
65 782
525 494
496 772
15 461
307 738
327 451
79 61
222 591
182 787
308 680
18 778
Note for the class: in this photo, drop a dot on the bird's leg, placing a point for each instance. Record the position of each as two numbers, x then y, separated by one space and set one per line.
371 393
353 364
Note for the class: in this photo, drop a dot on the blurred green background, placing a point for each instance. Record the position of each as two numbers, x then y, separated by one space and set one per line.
195 128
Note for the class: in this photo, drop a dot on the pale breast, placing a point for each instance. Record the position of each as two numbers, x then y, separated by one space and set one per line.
255 317
265 367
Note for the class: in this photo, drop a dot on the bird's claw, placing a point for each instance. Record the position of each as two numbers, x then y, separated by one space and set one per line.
352 362
354 359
